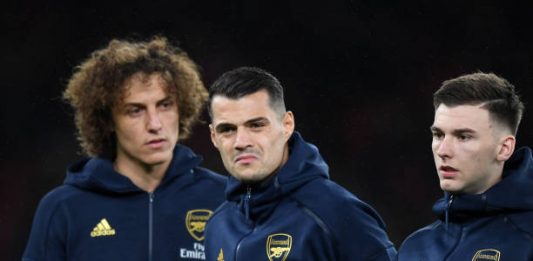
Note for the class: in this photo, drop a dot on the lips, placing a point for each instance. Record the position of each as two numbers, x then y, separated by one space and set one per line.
156 143
448 172
245 158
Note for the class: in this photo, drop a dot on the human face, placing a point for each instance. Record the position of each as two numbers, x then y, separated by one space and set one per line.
250 136
469 149
145 122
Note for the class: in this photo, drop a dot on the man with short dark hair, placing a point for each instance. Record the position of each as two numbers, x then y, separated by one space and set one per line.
141 195
280 203
487 209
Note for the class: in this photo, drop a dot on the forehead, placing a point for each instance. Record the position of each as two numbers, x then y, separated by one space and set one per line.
141 85
462 117
240 110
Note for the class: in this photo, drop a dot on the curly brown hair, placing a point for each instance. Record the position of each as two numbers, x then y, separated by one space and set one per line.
98 84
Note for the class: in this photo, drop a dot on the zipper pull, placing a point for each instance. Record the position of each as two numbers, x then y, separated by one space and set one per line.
248 192
247 198
450 201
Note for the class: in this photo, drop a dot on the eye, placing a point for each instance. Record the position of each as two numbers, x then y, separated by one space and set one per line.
256 125
133 111
167 104
464 137
437 135
225 130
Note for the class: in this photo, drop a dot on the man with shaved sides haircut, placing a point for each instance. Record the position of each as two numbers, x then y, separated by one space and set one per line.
280 203
487 209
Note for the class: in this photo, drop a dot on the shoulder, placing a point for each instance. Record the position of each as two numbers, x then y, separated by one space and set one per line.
51 206
202 187
342 213
206 175
333 201
523 222
339 209
222 214
420 237
424 231
59 195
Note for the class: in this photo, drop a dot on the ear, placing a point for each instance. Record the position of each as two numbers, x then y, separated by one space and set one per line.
506 148
288 124
212 131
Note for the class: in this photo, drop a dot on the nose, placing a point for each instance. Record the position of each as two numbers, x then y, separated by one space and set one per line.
444 148
154 122
242 139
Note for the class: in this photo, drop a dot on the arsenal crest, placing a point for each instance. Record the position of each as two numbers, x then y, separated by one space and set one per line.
278 246
487 254
195 222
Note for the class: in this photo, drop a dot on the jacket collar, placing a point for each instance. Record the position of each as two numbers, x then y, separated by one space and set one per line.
99 174
304 165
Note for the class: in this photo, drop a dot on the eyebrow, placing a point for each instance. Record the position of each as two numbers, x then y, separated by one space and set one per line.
167 98
140 104
463 131
254 120
454 132
223 125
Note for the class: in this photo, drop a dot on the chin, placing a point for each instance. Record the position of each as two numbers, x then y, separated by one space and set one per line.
450 188
158 158
247 178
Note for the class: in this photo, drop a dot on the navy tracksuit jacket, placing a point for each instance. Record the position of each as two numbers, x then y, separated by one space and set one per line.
299 214
496 225
99 214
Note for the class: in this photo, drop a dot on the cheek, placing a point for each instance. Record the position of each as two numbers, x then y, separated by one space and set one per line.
434 148
173 121
276 150
125 131
434 144
471 153
225 148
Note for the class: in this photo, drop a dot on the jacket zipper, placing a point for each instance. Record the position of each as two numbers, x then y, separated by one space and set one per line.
247 198
457 240
450 201
150 224
246 203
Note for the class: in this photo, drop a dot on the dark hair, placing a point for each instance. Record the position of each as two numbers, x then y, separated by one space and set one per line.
98 84
496 95
243 81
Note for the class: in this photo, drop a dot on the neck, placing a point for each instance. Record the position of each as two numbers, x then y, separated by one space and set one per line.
146 177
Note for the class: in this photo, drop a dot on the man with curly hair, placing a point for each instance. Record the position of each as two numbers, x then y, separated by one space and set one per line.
140 195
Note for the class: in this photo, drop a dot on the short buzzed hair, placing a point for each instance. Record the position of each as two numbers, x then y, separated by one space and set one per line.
243 81
495 94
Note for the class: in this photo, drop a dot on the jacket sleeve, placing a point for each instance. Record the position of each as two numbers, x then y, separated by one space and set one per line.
47 236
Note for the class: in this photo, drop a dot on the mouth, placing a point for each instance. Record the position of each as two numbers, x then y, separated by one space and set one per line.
246 158
156 143
448 172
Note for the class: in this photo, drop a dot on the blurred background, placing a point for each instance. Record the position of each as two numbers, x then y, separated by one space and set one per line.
359 76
